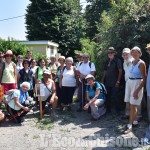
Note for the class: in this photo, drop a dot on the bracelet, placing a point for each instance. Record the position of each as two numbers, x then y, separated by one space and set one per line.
22 107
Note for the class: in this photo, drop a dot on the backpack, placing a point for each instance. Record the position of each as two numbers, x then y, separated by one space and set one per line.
103 90
89 64
8 96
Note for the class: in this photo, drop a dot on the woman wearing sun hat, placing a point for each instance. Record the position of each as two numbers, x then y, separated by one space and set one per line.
8 72
134 85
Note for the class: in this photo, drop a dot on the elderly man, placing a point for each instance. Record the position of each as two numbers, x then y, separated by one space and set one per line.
83 69
111 79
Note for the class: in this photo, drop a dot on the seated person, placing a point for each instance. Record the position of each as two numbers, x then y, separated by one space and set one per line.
95 98
1 116
50 91
17 104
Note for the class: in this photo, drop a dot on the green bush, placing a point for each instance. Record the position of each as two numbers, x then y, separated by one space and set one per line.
11 44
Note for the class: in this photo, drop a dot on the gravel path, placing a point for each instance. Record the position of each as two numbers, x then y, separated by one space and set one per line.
69 131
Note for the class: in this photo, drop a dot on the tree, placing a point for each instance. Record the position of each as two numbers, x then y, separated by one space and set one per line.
93 15
56 20
126 24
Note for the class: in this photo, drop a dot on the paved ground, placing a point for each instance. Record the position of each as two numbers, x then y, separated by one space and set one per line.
70 131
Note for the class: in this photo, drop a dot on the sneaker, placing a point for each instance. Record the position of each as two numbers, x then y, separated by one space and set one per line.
128 130
135 125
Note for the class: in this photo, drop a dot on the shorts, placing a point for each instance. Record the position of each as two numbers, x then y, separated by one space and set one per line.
8 86
131 86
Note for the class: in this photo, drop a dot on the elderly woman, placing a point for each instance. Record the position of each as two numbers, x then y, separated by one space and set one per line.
95 97
68 84
8 72
52 66
57 79
19 65
134 85
18 102
50 91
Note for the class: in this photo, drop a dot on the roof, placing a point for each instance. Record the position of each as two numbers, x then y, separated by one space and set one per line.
42 42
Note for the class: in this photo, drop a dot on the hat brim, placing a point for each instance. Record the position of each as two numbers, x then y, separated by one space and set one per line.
8 54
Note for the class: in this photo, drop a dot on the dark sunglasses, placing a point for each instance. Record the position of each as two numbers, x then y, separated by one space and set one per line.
85 57
8 55
110 52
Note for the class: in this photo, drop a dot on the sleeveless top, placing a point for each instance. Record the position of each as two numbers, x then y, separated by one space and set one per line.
69 78
135 71
48 91
8 73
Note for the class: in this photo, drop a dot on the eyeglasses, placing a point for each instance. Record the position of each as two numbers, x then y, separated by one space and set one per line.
8 55
25 87
110 53
85 57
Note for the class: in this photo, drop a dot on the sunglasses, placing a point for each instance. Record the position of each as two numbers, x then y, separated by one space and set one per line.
85 57
110 53
8 55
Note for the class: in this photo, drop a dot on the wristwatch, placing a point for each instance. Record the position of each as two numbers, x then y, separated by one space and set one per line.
118 82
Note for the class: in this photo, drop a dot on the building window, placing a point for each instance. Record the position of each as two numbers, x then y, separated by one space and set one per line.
52 50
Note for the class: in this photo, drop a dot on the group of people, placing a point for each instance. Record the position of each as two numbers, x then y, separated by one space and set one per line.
61 79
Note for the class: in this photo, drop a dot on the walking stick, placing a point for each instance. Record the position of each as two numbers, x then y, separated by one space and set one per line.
41 113
82 93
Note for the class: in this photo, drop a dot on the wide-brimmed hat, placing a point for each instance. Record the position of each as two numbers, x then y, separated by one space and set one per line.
136 48
90 76
47 72
9 52
126 50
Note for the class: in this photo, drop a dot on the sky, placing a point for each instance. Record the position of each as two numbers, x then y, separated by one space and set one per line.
15 27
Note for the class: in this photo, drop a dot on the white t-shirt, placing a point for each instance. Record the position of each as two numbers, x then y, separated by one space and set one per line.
18 68
69 78
85 68
47 92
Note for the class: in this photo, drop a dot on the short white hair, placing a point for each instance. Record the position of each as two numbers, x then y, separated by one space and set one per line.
69 59
25 84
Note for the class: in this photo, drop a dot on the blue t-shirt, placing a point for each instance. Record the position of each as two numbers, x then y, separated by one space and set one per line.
21 96
92 91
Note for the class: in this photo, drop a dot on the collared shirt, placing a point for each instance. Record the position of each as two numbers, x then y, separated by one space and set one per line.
126 67
112 71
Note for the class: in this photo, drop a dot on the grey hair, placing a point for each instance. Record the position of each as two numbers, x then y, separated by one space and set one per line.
25 84
69 59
